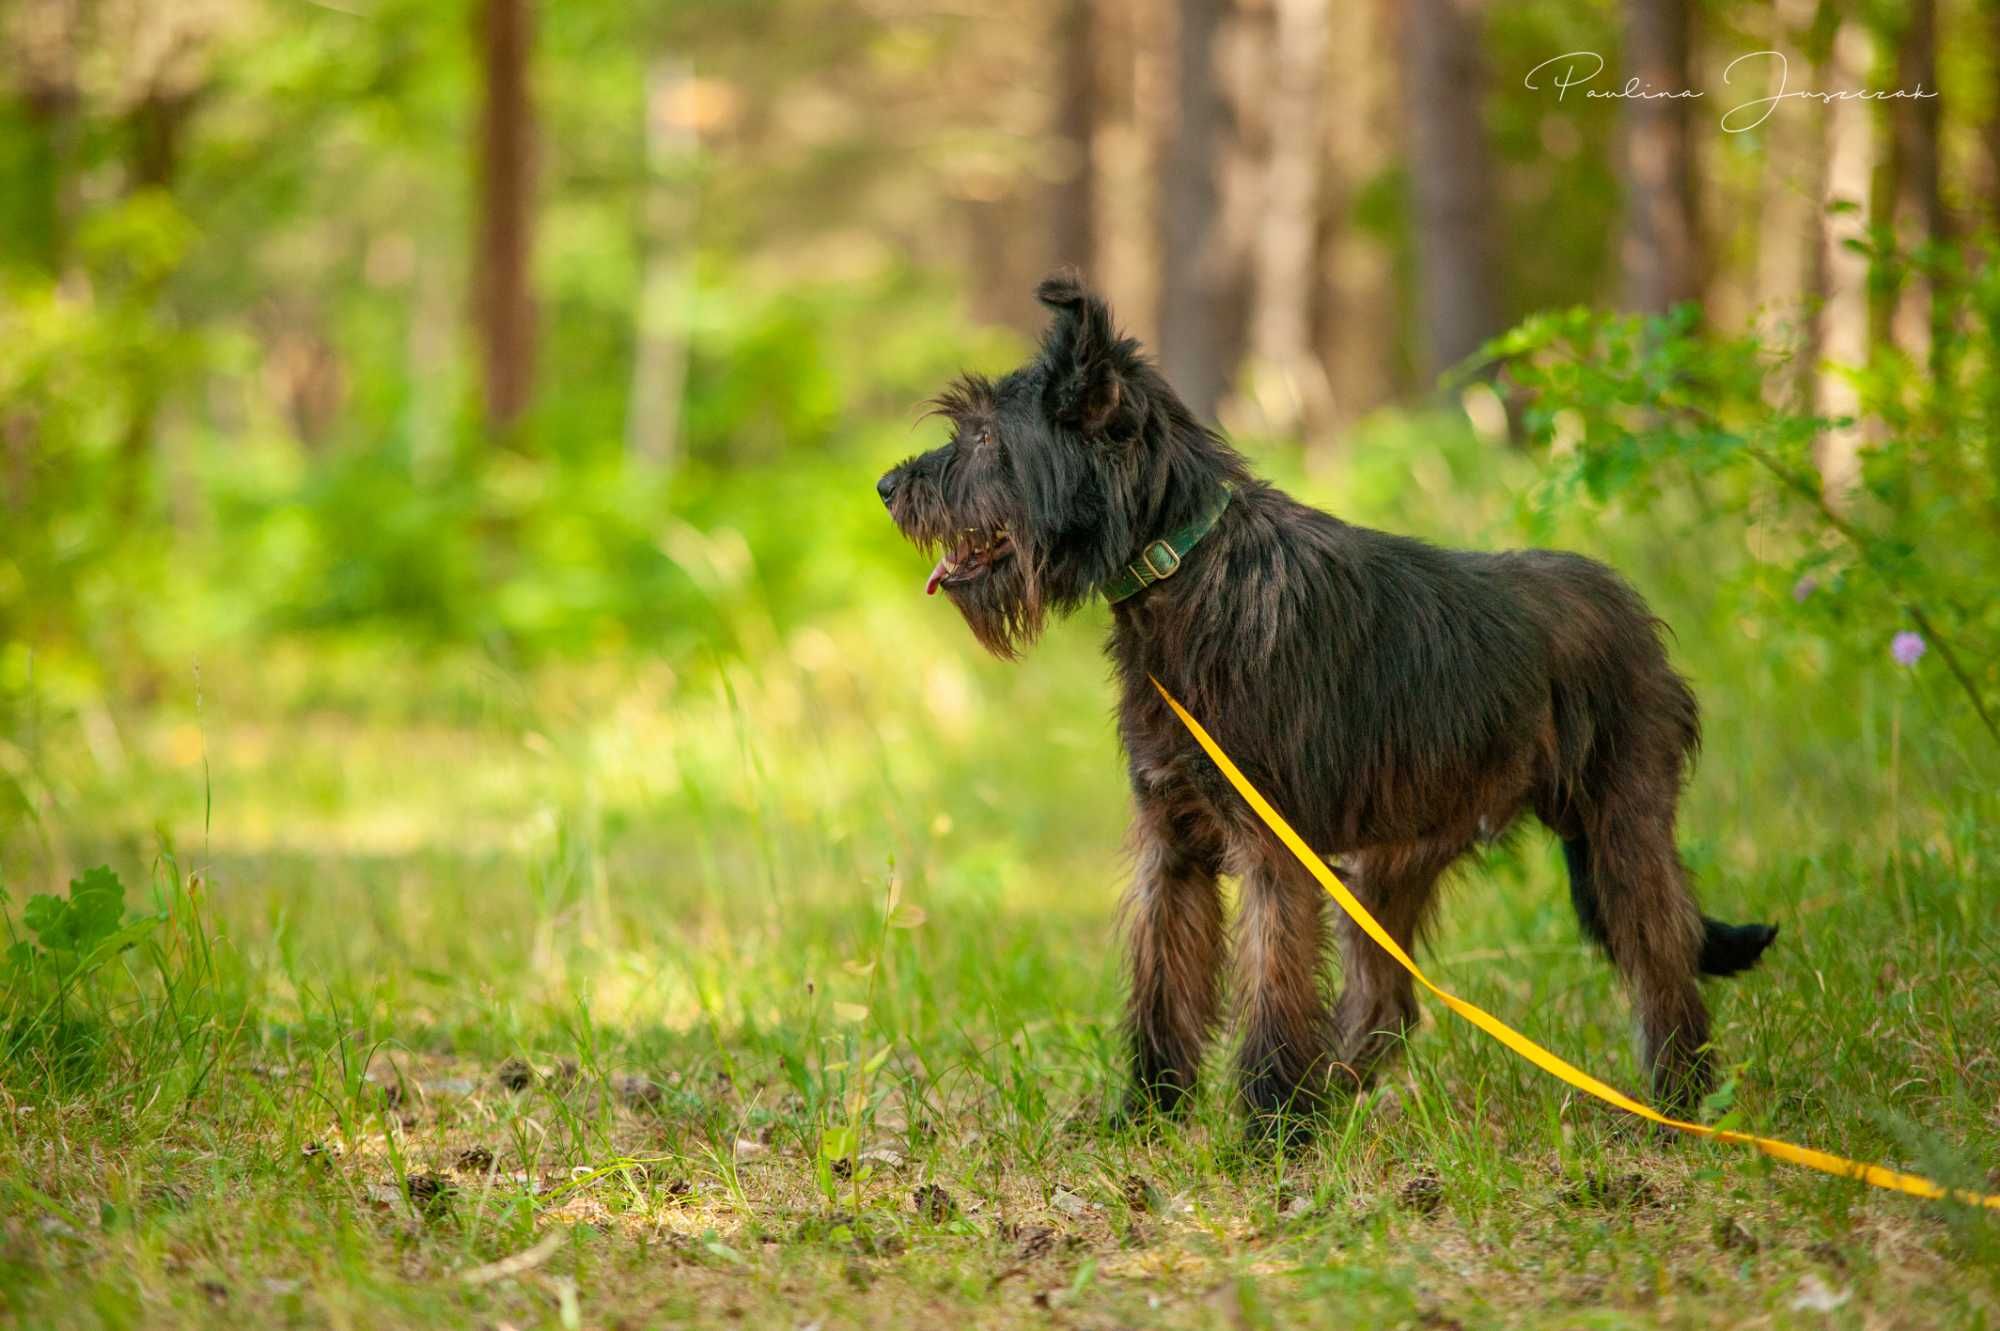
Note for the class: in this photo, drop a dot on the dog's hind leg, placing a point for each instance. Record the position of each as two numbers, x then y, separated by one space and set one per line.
1281 946
1633 895
1174 930
1378 1006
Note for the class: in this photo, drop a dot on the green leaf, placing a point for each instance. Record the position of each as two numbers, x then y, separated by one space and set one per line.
96 904
119 939
48 918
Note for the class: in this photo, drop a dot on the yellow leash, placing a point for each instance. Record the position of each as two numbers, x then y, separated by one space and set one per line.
1823 1161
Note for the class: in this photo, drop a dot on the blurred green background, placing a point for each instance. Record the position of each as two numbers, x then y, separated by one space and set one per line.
392 365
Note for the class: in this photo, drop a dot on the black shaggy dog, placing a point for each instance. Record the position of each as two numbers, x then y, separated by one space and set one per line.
1397 702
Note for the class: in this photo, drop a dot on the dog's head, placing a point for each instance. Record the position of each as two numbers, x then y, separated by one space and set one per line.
1054 476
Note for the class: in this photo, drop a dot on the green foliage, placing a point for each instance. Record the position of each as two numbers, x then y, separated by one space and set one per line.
81 382
1633 409
70 1018
82 932
71 940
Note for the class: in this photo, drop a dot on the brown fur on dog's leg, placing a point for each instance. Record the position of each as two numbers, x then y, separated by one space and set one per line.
1284 1064
1378 1004
1174 929
1653 930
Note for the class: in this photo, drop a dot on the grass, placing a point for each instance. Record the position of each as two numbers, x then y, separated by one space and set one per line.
781 989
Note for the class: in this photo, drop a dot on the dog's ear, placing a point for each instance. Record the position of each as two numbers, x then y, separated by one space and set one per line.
1084 353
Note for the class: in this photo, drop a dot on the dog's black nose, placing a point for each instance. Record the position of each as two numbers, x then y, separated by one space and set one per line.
886 487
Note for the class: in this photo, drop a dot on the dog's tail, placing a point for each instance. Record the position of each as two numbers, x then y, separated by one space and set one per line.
1726 949
1730 949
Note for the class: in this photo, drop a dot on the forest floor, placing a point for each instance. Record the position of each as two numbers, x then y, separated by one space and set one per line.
558 1005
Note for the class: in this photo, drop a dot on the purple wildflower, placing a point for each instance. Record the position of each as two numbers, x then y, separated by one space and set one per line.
1804 587
1908 648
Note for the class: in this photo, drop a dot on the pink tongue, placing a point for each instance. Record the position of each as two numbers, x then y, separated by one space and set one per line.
937 576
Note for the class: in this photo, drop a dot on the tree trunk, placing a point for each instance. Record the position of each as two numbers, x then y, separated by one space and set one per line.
1133 128
1788 222
1919 203
45 47
1362 333
1194 257
659 362
1289 387
1843 318
503 302
1073 198
1450 181
1991 130
156 124
1660 247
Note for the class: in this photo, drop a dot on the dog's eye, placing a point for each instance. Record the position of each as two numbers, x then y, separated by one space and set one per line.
985 437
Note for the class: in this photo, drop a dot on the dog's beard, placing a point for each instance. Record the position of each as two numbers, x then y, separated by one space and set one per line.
991 575
985 564
1002 606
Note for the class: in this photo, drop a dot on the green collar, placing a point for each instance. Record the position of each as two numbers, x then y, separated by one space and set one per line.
1161 558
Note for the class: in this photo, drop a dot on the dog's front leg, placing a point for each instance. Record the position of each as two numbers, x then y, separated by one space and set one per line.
1281 946
1174 927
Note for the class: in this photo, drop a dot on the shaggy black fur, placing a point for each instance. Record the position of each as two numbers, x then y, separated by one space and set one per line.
1397 701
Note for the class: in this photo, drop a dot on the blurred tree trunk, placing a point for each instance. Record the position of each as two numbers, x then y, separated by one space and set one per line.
1788 222
1843 318
44 42
1288 385
1989 132
49 94
155 124
1135 125
1918 201
503 300
1660 246
659 362
1073 201
1194 259
1450 181
1361 333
